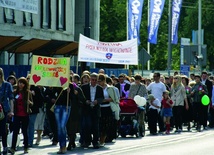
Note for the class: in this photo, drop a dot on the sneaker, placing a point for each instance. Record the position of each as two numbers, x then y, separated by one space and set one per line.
179 130
205 128
102 144
12 151
25 150
30 145
176 130
5 151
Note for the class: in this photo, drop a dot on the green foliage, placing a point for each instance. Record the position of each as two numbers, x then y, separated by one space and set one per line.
113 23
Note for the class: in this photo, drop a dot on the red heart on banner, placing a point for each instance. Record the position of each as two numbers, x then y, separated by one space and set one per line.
63 80
36 78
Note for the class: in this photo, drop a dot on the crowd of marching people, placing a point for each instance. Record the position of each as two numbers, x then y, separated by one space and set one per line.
90 107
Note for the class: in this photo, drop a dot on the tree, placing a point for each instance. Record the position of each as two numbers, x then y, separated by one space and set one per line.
113 28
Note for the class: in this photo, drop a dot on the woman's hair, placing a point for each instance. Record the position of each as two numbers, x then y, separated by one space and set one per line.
166 92
138 77
178 83
186 80
12 77
109 80
192 83
102 77
25 89
25 82
84 76
2 74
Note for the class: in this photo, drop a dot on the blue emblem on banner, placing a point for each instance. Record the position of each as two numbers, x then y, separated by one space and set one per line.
109 55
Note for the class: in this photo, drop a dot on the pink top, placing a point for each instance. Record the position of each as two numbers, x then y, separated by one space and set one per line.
20 111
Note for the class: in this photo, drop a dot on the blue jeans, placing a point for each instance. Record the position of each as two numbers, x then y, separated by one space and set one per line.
61 120
31 130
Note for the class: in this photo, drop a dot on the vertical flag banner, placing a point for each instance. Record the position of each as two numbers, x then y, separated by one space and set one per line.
176 9
156 9
134 19
49 71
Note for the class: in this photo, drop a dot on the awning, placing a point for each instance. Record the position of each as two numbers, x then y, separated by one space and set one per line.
38 46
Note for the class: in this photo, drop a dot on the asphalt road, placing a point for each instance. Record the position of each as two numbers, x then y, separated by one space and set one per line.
185 143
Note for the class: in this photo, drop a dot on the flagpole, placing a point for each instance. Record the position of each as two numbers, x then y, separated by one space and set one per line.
148 43
127 27
169 38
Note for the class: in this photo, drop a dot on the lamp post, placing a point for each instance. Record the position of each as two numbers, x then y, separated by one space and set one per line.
199 36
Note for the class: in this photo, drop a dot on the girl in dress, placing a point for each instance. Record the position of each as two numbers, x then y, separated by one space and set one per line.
167 110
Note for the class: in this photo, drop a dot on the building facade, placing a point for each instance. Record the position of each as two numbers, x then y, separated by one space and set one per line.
59 20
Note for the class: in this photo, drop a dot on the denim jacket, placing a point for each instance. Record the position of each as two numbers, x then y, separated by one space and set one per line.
6 94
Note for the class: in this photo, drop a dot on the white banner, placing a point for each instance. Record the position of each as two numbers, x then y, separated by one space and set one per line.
22 5
125 52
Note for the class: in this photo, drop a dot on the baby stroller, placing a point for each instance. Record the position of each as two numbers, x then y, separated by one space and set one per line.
130 117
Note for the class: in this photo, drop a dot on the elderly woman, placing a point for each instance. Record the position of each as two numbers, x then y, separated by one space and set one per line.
178 96
197 92
106 121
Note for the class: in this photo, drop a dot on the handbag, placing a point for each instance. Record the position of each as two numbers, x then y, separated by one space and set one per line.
1 113
29 111
1 107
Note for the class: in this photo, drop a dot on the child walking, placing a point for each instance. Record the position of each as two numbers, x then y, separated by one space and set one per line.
167 105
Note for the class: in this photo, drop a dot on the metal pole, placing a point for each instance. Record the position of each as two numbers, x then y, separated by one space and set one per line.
169 38
86 29
148 43
199 34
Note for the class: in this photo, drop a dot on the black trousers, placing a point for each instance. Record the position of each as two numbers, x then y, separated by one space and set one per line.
161 124
90 125
53 125
3 130
177 114
205 115
211 117
198 113
20 122
152 120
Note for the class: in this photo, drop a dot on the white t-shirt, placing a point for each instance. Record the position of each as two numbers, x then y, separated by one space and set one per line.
157 89
157 103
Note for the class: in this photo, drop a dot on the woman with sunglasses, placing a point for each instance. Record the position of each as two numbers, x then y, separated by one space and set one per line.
178 96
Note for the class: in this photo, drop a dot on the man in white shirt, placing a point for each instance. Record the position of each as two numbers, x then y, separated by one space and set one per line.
157 88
